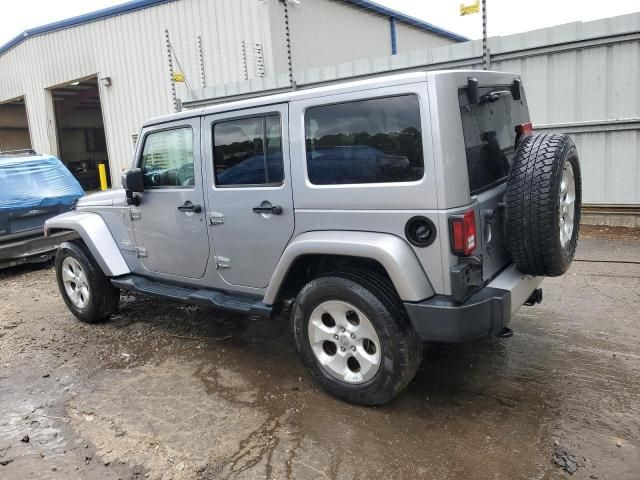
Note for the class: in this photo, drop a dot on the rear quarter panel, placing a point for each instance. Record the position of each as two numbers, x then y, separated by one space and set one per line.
376 207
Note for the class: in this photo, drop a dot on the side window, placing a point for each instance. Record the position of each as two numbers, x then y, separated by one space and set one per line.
366 141
248 151
167 158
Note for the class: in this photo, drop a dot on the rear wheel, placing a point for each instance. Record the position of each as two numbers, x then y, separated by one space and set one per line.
87 292
353 335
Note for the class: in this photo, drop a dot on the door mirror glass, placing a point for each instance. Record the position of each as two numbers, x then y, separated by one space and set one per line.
132 180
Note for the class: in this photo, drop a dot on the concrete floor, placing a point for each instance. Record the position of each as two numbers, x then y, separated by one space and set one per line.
172 391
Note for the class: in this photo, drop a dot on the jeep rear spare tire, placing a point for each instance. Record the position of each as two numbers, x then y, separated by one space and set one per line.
543 203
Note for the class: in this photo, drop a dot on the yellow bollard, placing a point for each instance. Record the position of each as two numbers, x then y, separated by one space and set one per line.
102 172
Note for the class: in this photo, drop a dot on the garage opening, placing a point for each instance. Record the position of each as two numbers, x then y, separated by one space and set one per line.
14 128
82 144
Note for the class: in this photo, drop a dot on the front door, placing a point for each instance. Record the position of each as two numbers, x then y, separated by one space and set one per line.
169 224
249 198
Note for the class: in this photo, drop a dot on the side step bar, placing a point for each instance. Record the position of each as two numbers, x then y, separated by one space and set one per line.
209 298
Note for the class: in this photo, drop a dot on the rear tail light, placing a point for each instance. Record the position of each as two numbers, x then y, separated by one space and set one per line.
525 128
463 233
522 130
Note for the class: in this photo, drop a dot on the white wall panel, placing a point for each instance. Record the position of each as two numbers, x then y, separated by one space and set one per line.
412 38
130 48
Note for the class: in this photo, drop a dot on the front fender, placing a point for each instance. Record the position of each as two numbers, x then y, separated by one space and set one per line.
393 253
96 236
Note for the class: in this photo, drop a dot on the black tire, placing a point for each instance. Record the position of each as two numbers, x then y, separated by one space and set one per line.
401 348
533 205
103 297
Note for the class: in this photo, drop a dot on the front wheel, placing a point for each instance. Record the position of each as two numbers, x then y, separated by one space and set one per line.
353 335
87 292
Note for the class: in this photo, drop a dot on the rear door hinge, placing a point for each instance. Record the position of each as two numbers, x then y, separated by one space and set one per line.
222 262
134 214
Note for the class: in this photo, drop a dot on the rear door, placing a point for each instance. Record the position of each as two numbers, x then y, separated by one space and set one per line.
490 137
249 196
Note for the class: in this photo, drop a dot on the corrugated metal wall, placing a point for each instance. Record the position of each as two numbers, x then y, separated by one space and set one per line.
411 38
330 32
131 49
591 90
580 78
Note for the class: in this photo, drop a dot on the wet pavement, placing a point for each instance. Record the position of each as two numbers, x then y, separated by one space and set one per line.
165 390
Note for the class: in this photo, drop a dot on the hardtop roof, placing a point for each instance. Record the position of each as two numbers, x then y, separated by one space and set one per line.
346 86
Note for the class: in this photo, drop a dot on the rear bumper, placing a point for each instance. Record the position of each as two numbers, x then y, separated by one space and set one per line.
487 312
32 249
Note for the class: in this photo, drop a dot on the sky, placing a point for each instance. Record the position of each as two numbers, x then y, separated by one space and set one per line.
505 17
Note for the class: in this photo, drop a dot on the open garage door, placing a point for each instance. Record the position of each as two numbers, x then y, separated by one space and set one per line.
14 128
82 144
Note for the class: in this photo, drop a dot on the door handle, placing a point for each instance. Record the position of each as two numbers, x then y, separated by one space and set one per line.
190 207
275 209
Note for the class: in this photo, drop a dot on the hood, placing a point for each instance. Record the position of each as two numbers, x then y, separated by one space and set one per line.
107 198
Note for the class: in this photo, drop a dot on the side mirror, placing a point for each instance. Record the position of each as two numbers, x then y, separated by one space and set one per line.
133 182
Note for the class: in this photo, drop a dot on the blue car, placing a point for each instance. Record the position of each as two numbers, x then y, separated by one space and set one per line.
33 188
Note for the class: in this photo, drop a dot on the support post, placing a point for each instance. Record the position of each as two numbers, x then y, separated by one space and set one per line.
394 35
203 80
288 42
485 49
102 172
245 68
174 96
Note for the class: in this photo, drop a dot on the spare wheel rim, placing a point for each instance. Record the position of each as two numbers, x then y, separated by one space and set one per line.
567 204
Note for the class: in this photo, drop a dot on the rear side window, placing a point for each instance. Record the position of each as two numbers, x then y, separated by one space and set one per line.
248 151
490 134
366 141
167 158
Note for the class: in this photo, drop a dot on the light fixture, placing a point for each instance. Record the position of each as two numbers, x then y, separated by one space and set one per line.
75 83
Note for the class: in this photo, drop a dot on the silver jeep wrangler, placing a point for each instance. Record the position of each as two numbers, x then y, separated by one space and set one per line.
382 213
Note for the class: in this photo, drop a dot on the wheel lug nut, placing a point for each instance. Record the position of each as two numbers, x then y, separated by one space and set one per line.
353 335
342 329
342 348
353 348
335 336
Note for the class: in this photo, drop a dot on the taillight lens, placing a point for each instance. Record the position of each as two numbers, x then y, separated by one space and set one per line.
525 128
463 233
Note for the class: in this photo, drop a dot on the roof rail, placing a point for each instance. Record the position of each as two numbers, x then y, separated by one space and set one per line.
23 151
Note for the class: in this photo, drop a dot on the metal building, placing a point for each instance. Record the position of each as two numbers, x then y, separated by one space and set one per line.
580 78
80 88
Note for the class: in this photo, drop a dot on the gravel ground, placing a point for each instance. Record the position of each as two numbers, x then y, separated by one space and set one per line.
168 391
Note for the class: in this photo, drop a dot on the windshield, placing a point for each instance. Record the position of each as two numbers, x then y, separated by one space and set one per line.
489 128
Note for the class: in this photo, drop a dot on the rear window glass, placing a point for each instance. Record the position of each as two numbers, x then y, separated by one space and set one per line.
367 141
489 135
248 151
